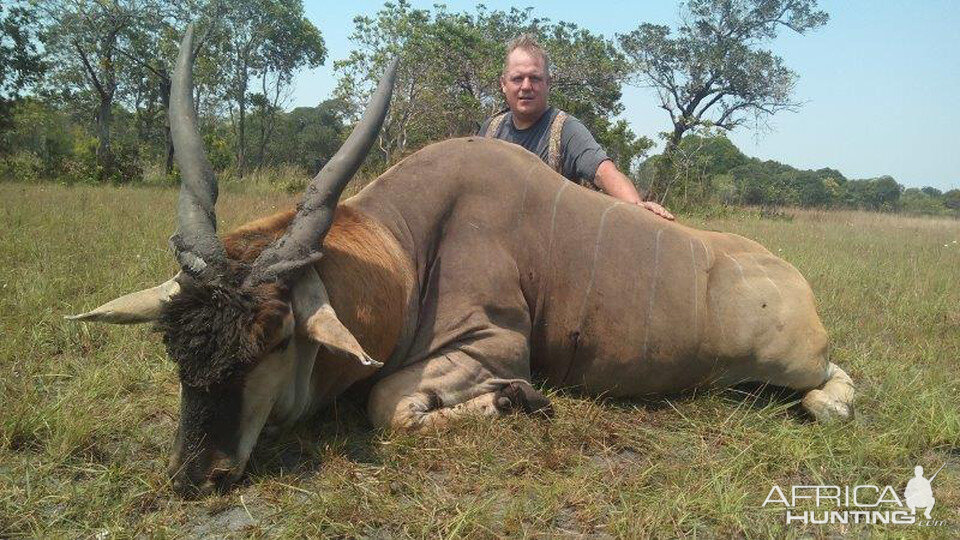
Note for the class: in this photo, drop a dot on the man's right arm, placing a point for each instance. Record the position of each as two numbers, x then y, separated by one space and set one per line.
586 159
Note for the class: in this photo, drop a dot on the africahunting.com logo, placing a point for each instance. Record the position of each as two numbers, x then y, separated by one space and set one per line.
864 503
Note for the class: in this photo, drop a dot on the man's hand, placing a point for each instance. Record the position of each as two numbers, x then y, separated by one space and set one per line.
614 183
656 209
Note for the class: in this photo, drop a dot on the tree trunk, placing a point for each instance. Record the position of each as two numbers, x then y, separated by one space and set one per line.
168 164
676 136
262 142
241 137
241 96
167 135
665 172
104 152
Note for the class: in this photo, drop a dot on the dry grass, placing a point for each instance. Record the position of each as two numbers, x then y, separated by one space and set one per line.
87 412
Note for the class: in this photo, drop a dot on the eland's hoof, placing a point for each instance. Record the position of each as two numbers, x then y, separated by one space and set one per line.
521 397
826 408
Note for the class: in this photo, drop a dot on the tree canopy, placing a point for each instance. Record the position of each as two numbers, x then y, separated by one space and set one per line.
450 63
261 44
84 92
714 71
20 62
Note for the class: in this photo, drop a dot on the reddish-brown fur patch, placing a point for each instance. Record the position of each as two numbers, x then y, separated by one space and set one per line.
247 241
366 274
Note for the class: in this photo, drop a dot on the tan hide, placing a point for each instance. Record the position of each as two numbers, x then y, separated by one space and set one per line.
315 315
522 272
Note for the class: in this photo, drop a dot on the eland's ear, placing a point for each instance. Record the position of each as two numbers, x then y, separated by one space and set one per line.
134 308
317 320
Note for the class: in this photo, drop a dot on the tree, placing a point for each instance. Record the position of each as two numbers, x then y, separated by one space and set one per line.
83 38
151 46
887 192
951 199
450 63
920 201
698 162
713 71
811 190
620 143
265 41
827 173
447 77
833 189
881 193
305 137
20 64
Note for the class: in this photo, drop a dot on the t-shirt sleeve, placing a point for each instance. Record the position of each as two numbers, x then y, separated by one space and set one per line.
581 152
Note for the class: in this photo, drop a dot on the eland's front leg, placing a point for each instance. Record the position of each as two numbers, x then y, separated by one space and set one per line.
440 390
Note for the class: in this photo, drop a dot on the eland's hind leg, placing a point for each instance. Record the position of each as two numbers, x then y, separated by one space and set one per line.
765 312
827 389
833 400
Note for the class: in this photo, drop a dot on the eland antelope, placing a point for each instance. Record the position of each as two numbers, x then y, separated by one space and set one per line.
447 283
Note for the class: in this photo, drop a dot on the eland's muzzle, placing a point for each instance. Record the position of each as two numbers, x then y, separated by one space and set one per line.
203 474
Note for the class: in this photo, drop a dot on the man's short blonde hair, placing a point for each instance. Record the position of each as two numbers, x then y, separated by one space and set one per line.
529 43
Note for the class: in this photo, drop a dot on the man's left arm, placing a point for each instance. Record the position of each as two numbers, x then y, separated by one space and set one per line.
614 183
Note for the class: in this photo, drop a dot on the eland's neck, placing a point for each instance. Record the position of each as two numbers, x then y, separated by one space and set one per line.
370 282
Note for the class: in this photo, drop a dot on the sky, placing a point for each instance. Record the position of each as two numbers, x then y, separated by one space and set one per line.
878 82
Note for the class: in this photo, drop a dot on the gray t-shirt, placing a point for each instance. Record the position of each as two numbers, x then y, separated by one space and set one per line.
579 151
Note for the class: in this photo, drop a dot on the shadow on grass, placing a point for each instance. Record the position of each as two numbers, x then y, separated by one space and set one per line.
753 395
343 431
340 429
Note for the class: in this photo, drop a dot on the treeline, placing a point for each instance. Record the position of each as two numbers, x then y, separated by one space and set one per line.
86 85
709 169
93 106
84 90
47 142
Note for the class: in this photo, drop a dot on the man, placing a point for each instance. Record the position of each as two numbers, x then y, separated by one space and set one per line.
562 141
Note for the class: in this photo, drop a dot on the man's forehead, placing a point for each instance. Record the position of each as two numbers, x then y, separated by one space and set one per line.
523 61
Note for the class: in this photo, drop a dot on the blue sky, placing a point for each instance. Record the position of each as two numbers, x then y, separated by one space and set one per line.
879 82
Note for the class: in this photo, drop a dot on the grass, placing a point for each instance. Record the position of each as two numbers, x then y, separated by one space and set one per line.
87 412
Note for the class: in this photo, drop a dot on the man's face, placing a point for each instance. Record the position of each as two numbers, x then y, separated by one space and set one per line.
525 85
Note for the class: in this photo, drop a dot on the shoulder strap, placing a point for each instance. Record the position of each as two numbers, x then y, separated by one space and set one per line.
494 125
554 157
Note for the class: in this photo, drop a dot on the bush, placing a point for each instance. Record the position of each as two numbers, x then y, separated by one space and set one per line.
21 167
80 167
285 178
915 201
128 165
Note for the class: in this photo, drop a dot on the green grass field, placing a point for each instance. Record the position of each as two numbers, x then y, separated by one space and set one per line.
87 412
